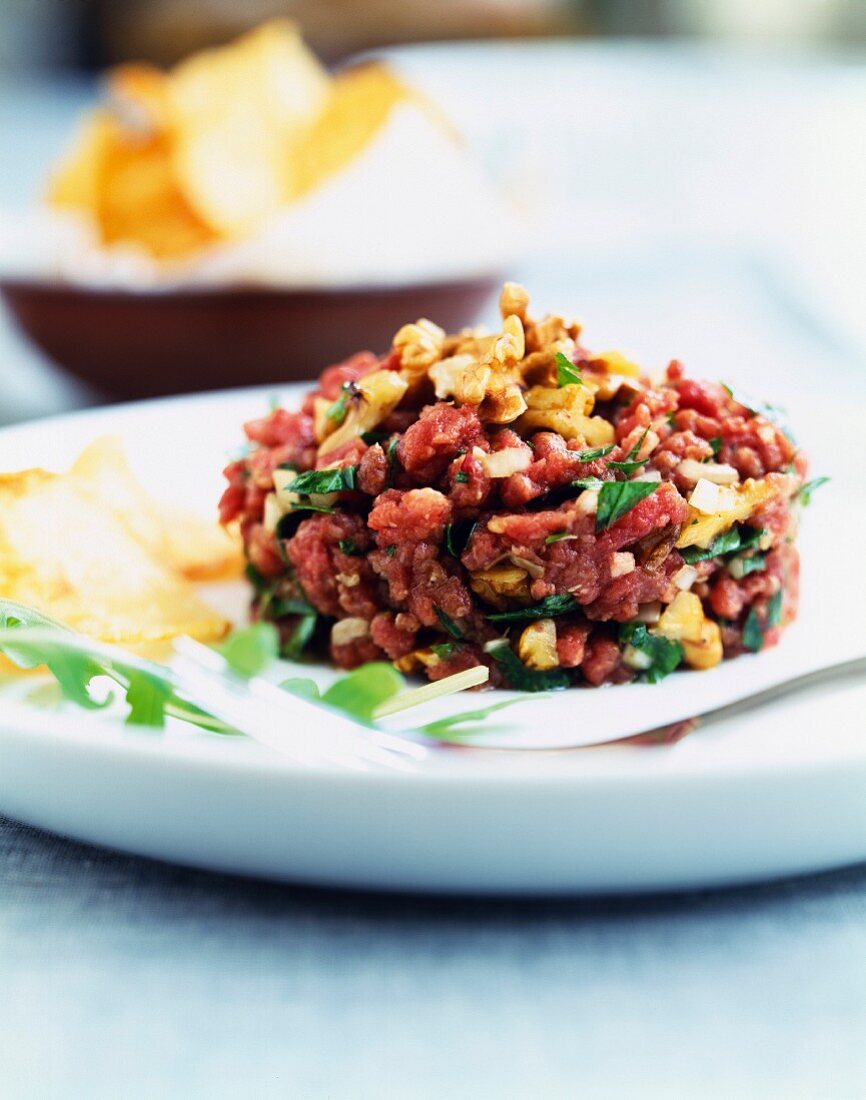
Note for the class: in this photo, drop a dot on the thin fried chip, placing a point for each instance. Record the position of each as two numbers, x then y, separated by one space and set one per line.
66 554
237 113
139 94
77 181
140 200
195 547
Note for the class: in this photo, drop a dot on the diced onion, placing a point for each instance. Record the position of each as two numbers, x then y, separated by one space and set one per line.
717 472
508 461
587 502
648 475
273 512
705 497
684 578
283 480
621 563
636 659
347 630
649 612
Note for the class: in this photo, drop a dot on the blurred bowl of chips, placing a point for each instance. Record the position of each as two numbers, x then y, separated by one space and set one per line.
248 217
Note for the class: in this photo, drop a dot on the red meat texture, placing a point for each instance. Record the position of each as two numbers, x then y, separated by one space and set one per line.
402 552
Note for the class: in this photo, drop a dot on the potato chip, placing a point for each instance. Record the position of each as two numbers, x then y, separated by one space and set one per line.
198 549
237 112
140 96
140 200
358 107
65 553
77 182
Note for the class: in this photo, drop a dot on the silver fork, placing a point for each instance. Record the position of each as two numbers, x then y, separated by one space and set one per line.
274 717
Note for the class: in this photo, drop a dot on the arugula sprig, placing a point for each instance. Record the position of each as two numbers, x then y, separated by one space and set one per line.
29 639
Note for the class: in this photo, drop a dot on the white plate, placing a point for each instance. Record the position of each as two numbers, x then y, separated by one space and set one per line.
777 792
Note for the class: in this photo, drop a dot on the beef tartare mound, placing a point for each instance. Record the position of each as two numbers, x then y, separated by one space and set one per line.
514 500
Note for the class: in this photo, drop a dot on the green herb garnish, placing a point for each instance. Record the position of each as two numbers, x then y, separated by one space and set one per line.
521 678
338 410
587 483
558 537
325 481
443 727
715 445
347 547
448 624
616 498
300 637
373 437
461 477
248 651
566 372
728 542
391 455
549 607
632 463
457 536
362 691
753 634
804 495
598 452
664 655
774 609
446 649
30 639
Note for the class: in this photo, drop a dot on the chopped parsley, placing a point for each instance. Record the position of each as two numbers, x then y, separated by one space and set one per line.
597 452
558 537
391 455
448 624
728 542
804 495
338 410
632 463
446 649
521 678
616 498
587 483
664 655
753 634
457 536
325 481
715 444
753 631
566 372
347 547
373 437
741 566
549 607
391 550
461 477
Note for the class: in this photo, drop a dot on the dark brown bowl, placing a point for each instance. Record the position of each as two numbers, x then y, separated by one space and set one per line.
131 344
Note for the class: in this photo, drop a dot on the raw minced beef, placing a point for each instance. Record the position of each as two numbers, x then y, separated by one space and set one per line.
514 489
